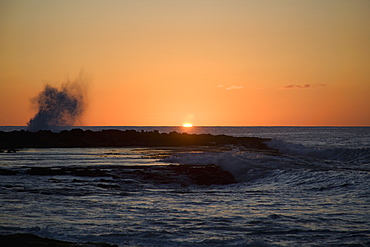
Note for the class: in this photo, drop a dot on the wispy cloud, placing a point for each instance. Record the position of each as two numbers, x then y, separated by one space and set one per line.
292 86
234 87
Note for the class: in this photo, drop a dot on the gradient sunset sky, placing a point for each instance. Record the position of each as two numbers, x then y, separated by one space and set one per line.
208 62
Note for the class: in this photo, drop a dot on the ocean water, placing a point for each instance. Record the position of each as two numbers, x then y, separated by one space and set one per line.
315 192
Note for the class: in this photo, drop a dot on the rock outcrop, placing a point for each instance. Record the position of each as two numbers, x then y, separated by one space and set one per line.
116 138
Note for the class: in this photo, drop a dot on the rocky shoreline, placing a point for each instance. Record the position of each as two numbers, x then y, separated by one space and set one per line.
11 141
26 239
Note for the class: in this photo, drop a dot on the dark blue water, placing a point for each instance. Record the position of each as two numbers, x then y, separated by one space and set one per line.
316 192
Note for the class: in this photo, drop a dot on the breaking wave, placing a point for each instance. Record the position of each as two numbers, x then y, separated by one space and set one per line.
294 161
59 107
244 166
357 155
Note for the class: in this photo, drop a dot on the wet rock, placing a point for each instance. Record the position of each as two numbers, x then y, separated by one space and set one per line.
206 175
7 172
25 239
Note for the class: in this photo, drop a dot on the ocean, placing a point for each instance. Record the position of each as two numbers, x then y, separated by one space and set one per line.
314 192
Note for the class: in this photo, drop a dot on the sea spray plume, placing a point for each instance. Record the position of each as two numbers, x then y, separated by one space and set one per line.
58 107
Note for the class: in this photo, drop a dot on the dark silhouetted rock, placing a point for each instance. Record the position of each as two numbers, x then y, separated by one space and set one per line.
205 175
7 172
117 138
30 240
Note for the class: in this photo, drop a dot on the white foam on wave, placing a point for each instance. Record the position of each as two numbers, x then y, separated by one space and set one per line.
244 166
357 155
294 161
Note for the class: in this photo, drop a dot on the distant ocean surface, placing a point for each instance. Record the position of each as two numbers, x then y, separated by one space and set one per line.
315 192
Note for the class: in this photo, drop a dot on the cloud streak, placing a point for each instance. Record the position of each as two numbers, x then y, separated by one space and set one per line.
232 87
293 86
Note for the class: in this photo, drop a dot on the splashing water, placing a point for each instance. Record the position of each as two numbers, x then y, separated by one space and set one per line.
58 107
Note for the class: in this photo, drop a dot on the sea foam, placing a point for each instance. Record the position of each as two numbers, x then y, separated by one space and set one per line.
357 155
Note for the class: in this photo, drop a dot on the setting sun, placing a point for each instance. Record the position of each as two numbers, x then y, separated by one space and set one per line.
187 125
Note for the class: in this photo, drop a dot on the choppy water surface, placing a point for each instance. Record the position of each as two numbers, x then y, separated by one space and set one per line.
315 193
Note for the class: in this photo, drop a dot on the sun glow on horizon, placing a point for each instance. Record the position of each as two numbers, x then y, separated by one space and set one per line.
187 125
214 63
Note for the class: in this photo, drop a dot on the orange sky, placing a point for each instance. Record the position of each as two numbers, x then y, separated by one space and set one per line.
238 63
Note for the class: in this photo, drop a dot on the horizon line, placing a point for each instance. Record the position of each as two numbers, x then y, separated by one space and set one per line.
198 126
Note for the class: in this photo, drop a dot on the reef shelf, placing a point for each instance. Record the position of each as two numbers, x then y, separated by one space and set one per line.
184 175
